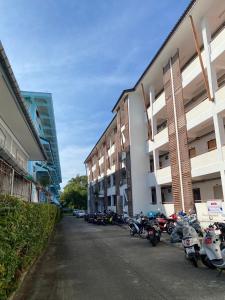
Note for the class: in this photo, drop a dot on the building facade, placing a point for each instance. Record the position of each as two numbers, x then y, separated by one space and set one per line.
19 141
165 147
47 173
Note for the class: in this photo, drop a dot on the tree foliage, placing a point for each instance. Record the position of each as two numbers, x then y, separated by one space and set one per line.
74 194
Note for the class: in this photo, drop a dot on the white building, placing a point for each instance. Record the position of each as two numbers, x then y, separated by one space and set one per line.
19 141
173 156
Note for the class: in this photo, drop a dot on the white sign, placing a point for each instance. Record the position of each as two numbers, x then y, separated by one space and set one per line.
215 207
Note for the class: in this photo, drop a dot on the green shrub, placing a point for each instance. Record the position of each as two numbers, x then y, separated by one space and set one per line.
24 230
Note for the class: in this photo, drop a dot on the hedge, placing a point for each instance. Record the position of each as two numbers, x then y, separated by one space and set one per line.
24 231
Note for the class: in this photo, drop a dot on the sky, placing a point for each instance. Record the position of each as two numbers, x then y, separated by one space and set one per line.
85 53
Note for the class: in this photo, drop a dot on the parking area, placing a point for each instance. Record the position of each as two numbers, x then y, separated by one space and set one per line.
86 261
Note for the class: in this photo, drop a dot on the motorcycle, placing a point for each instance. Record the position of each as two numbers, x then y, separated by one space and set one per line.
211 254
166 224
191 243
220 228
177 233
153 232
137 226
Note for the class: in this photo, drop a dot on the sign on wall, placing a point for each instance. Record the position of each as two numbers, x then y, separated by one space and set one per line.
215 207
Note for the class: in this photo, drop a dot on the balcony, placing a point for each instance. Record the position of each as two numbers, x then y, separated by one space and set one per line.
111 150
161 176
206 163
199 114
164 175
111 190
193 70
160 139
111 170
11 149
101 160
159 103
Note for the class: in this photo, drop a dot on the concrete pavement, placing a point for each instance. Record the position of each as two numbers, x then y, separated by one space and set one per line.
85 261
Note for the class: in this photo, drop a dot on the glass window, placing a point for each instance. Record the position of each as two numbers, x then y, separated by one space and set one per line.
212 144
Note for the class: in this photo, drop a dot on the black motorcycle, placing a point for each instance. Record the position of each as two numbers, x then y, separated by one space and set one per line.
137 226
153 232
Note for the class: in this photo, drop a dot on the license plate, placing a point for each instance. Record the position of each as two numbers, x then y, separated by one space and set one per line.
190 250
187 242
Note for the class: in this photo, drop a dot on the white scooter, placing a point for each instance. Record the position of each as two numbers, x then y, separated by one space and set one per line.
191 243
211 254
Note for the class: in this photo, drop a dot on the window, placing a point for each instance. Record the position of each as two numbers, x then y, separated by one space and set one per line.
108 181
114 200
197 195
109 200
151 165
212 144
101 185
153 192
192 152
113 179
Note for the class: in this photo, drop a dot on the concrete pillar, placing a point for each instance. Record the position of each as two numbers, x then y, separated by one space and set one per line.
213 85
206 36
155 151
153 118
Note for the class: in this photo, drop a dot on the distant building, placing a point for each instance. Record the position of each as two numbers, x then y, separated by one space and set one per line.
165 147
48 173
19 141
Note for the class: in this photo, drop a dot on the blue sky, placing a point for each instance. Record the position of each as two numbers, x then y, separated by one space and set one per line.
85 53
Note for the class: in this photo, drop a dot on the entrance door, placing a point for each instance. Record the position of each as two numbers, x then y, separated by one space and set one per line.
218 192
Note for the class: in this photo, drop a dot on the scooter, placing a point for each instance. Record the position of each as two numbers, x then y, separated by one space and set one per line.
137 226
153 232
211 254
191 243
220 228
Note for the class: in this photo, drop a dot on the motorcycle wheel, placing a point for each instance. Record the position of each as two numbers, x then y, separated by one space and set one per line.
194 261
169 229
153 242
207 262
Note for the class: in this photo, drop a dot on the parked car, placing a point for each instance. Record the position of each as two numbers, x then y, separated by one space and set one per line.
75 211
80 214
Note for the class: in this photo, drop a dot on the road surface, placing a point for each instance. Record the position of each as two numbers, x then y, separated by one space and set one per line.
86 261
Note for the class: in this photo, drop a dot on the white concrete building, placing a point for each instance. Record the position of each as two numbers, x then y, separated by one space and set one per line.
170 126
19 141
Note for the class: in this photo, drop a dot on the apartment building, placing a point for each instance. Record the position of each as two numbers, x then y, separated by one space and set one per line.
45 173
19 141
165 147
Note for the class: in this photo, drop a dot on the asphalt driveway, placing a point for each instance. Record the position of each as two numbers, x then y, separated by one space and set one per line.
85 261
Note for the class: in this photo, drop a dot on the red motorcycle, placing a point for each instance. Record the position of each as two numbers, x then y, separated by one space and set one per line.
166 224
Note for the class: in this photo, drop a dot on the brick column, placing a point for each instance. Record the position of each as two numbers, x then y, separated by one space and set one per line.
178 141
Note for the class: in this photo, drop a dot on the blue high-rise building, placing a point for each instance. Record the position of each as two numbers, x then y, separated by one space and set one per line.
48 173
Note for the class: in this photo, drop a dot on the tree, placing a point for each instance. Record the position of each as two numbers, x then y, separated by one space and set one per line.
74 194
